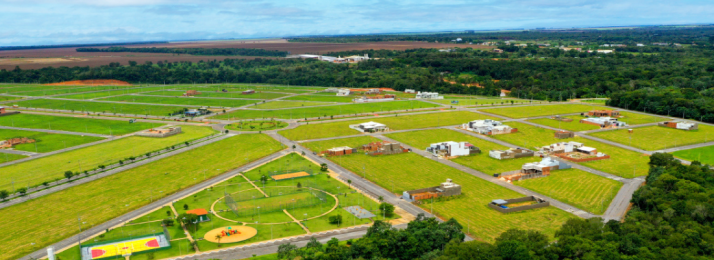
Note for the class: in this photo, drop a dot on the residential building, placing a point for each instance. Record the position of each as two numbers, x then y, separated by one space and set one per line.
603 122
501 205
348 59
682 125
2 110
370 127
343 92
409 91
605 51
448 188
160 132
640 45
428 95
248 92
452 149
544 167
608 113
337 151
512 153
201 213
384 148
497 50
373 91
505 93
197 112
573 151
378 98
331 90
488 127
562 134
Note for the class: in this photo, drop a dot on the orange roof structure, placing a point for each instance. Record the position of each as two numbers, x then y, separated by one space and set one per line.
197 212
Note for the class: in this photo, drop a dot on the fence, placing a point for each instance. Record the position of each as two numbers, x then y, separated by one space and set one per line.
263 208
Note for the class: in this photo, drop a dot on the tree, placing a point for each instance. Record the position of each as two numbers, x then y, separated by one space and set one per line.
168 213
323 167
218 239
349 182
185 206
287 251
336 219
294 147
4 194
188 220
168 222
299 186
68 174
22 191
387 209
381 199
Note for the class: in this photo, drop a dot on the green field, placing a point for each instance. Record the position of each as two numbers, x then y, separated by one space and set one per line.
213 93
544 110
638 119
101 107
480 162
110 93
6 98
109 197
575 187
414 172
622 162
695 154
75 89
322 98
74 124
326 111
403 122
653 138
7 157
48 168
9 89
45 142
480 101
575 125
289 104
189 101
256 125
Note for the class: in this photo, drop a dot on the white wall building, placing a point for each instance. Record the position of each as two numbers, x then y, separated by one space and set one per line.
428 95
451 149
343 92
370 127
487 127
409 91
603 121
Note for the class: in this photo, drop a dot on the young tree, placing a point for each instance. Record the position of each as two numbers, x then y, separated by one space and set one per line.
185 206
387 209
68 174
4 194
22 191
349 182
287 251
323 167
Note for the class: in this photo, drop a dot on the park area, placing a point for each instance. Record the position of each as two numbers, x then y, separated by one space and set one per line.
581 189
81 124
622 162
109 197
541 110
394 122
41 142
326 111
470 209
652 138
50 168
107 108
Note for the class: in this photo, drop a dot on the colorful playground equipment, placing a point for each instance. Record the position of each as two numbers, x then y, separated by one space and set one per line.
229 231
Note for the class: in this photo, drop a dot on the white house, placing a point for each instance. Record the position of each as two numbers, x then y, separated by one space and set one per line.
428 95
409 91
488 127
603 122
370 127
343 92
452 149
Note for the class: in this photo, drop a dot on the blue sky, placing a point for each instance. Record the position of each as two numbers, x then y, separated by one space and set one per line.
33 22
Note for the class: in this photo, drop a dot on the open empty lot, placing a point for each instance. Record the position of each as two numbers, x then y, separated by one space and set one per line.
81 124
653 138
45 142
190 101
102 107
326 111
542 110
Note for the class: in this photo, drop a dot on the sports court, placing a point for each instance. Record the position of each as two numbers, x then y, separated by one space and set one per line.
123 248
360 212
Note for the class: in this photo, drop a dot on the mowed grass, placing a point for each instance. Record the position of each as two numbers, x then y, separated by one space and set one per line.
575 187
480 101
8 157
101 107
544 110
701 154
45 142
575 125
110 93
410 171
112 196
326 111
638 119
622 162
322 98
653 138
48 168
75 124
480 162
190 101
401 122
219 94
75 89
289 104
6 98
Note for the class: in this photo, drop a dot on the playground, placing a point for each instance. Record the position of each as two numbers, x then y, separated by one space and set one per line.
230 234
124 248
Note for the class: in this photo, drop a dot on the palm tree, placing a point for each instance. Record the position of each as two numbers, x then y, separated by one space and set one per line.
218 238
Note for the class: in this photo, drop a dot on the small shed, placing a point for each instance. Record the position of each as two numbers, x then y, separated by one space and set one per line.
201 213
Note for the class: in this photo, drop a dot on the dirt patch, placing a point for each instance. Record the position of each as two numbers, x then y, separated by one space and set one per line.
289 175
92 82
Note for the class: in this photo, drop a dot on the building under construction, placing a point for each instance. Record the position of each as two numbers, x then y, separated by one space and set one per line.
682 125
447 188
384 148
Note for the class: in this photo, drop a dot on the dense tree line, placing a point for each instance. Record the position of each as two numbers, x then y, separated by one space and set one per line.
194 51
671 218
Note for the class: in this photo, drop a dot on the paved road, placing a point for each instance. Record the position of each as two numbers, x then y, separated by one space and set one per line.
621 203
25 153
54 131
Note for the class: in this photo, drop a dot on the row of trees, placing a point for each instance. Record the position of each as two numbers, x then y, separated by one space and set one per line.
194 51
671 218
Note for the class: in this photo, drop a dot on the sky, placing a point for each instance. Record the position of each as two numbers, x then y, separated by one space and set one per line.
41 22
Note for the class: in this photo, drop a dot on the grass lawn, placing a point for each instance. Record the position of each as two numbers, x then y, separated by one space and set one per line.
159 214
75 124
46 142
480 162
110 93
6 98
575 187
470 209
256 125
575 125
480 101
323 98
545 110
326 111
7 157
333 129
112 196
354 142
101 107
190 101
75 89
48 168
213 93
289 104
653 138
638 119
693 154
622 162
